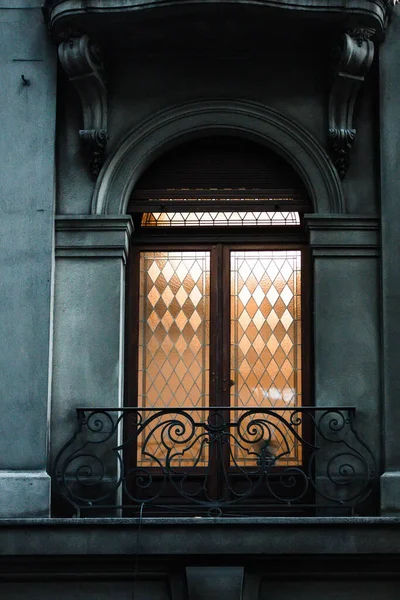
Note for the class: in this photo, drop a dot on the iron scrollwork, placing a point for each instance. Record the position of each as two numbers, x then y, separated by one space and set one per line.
220 461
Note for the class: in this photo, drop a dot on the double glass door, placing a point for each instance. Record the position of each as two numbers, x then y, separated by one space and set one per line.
218 325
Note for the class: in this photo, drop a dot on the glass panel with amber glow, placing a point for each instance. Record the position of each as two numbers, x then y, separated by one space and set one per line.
266 343
174 342
212 219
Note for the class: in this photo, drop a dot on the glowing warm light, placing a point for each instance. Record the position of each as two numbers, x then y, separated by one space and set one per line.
196 219
265 339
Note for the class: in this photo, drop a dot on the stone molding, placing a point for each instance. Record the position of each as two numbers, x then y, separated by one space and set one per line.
82 61
92 236
207 536
249 120
343 235
60 13
356 54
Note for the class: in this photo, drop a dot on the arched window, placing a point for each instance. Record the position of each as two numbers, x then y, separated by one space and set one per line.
218 290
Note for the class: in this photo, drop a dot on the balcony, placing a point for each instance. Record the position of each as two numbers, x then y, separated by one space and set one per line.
216 462
170 17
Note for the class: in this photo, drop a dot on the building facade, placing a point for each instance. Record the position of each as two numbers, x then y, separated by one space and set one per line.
282 118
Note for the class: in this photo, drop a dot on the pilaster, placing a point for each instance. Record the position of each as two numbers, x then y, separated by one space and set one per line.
89 317
346 313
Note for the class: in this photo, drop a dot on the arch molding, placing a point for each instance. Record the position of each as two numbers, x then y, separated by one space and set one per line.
171 127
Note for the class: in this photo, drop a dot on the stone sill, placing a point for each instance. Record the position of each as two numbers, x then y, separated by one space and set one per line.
191 537
199 521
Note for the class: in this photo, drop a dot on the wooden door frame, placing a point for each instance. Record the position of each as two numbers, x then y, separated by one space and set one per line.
211 241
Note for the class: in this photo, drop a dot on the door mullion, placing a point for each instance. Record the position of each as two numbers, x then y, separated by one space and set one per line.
215 377
226 325
219 450
217 327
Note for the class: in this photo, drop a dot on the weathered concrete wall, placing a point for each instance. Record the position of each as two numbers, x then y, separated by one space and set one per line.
27 146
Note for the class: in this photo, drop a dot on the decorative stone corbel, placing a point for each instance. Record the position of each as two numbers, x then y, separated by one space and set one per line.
356 56
81 60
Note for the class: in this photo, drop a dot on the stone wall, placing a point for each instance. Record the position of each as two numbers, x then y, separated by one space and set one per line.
28 73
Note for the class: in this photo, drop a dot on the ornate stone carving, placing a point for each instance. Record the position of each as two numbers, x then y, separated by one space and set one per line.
361 35
82 61
170 127
355 59
96 141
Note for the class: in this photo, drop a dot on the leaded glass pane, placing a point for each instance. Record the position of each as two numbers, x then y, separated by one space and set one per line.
266 339
174 340
209 219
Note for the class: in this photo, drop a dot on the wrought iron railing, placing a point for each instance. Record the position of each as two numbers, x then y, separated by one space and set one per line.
220 461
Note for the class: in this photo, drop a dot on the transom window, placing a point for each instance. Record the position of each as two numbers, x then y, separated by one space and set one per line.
206 219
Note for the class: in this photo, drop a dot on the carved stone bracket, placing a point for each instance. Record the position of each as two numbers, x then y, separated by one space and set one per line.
81 60
96 141
356 56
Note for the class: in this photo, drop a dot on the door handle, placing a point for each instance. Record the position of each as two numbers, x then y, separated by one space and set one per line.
228 383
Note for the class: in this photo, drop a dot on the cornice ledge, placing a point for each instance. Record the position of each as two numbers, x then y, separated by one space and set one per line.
90 236
94 223
374 10
342 222
343 236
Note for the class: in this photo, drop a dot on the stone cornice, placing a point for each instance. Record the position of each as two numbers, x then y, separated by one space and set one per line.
370 13
343 235
93 236
203 537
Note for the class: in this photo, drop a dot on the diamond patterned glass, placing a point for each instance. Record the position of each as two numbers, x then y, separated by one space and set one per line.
266 339
185 219
174 338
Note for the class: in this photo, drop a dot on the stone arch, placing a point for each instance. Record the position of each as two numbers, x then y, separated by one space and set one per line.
261 124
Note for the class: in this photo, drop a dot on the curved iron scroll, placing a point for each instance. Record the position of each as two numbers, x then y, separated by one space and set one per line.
222 461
